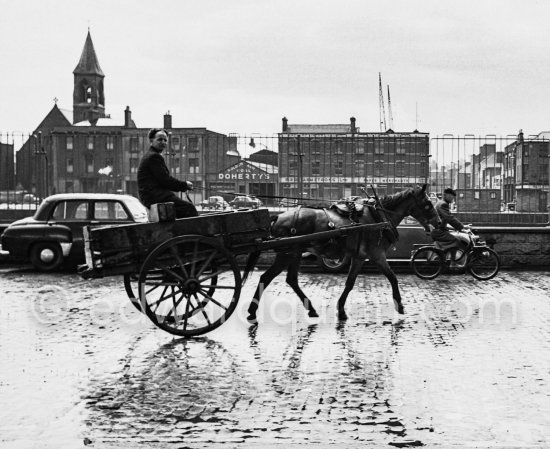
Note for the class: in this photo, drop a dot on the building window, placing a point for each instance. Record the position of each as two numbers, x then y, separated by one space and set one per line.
194 165
359 168
360 147
70 165
134 164
69 142
315 147
292 164
476 195
175 143
193 144
315 168
400 147
493 195
378 168
177 163
339 168
89 164
134 144
90 142
110 143
339 146
379 147
400 169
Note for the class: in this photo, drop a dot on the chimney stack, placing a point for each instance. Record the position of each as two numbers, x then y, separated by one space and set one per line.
285 124
127 117
353 128
167 120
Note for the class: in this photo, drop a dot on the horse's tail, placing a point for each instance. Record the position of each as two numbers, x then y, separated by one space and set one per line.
251 261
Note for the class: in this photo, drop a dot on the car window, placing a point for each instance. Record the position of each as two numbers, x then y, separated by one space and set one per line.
71 210
109 210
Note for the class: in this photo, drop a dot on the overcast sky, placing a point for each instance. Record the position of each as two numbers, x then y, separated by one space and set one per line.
469 67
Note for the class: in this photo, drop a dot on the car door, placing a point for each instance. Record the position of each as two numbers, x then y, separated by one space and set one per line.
72 214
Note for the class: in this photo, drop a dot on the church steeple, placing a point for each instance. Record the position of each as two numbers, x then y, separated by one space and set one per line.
88 94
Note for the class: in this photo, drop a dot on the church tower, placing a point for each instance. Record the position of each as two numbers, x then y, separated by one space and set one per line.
88 94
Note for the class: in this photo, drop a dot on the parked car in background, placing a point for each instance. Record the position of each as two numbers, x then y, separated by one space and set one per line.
246 201
54 234
410 233
18 199
215 203
288 202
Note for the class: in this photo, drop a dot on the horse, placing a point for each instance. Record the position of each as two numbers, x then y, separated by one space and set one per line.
359 245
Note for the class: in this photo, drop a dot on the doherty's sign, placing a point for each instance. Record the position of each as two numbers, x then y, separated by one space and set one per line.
243 171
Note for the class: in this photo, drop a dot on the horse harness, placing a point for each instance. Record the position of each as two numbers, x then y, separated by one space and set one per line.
353 210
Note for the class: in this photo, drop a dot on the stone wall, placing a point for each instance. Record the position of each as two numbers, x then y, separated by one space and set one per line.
525 246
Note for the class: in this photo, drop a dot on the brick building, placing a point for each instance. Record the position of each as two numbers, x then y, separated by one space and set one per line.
333 161
526 168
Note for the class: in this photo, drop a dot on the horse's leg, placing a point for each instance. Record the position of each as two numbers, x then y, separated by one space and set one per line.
292 280
384 267
281 262
355 267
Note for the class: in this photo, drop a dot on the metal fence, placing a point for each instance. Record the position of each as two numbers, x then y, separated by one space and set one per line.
499 180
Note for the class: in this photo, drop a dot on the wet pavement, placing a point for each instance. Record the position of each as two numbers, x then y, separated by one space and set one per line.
468 366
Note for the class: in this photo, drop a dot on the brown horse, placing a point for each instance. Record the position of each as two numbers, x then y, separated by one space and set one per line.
359 245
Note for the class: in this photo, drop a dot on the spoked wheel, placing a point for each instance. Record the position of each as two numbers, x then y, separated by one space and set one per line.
427 262
179 279
483 263
132 290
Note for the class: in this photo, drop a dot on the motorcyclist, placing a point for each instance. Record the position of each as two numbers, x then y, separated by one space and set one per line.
442 235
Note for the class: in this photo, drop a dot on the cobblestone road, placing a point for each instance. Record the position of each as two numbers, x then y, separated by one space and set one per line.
468 366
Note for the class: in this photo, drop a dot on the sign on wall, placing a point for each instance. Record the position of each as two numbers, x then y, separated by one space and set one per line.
357 180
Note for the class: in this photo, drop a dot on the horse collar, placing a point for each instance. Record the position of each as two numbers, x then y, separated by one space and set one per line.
294 219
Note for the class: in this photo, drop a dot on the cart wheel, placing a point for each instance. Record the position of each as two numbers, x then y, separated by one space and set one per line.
178 280
131 287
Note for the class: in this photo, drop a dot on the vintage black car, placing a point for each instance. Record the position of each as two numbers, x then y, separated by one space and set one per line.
246 201
54 234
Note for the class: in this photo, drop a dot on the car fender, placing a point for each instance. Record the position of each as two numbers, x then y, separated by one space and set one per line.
18 239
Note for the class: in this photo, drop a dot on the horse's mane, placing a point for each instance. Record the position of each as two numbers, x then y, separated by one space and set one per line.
389 201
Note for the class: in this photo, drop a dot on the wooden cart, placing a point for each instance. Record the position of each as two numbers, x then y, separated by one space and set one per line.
184 274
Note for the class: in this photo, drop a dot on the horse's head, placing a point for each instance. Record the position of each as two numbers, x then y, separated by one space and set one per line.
422 208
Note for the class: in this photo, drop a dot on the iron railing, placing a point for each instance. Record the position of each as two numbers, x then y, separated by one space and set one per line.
499 180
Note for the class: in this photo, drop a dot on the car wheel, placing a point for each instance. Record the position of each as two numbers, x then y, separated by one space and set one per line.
337 265
46 256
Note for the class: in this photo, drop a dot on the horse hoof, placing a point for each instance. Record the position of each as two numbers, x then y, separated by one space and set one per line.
342 316
251 318
313 314
400 310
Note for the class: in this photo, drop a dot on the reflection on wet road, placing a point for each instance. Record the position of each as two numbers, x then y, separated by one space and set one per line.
468 365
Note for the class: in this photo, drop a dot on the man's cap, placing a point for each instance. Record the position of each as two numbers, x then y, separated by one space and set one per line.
450 191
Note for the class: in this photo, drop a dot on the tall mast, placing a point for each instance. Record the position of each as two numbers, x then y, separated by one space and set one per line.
390 115
381 104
